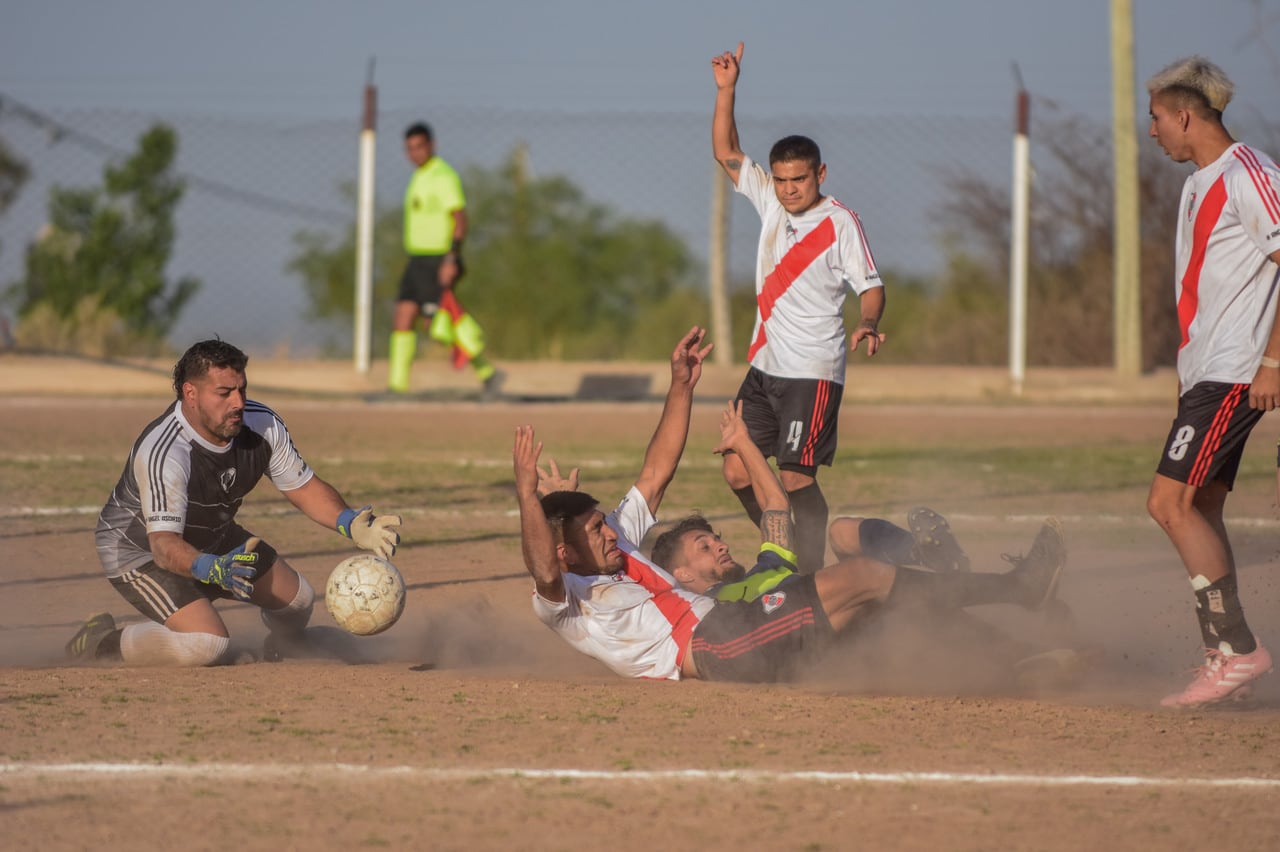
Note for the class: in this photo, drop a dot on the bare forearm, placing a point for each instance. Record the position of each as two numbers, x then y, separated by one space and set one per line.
538 548
319 501
724 133
666 447
871 306
460 224
764 482
172 553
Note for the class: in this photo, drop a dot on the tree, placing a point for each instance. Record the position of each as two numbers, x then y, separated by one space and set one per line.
104 250
1069 277
13 174
550 274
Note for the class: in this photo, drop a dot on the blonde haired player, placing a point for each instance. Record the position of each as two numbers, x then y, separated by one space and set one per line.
812 251
1227 258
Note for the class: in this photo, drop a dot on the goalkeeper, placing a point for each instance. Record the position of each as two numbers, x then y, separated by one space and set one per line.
167 536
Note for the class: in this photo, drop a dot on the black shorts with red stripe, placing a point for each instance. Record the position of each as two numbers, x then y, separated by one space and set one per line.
1207 438
795 421
769 639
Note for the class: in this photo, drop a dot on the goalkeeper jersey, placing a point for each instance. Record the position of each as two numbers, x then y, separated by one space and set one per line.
176 481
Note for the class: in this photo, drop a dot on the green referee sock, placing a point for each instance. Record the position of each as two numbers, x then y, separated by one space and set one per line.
404 344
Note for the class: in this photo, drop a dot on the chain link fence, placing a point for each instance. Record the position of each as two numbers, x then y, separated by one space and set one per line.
253 183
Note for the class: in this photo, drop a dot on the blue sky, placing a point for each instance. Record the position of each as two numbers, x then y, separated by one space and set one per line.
294 58
825 63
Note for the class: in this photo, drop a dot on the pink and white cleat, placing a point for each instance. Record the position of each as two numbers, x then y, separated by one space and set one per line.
1222 678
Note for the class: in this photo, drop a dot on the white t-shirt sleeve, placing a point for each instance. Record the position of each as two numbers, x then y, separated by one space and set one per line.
1256 191
857 266
756 184
287 469
631 520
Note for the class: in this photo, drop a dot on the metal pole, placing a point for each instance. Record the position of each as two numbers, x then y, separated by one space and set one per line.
1018 244
1126 273
364 229
717 263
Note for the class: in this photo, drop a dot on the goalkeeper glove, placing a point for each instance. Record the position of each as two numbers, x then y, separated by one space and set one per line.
234 571
376 533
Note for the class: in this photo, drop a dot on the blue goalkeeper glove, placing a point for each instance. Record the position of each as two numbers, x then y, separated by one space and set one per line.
234 571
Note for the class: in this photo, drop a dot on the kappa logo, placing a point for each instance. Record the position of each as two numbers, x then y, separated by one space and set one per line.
772 601
228 479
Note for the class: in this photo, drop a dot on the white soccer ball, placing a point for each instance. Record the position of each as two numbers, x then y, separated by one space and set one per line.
365 594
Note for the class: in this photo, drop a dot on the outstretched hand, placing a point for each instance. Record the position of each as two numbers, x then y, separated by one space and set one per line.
733 429
726 67
549 482
686 360
524 459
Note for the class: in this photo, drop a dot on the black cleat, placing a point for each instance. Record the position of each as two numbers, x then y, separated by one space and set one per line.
936 547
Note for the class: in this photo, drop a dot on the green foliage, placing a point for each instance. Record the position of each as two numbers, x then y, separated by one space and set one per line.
554 275
327 267
549 273
105 249
13 174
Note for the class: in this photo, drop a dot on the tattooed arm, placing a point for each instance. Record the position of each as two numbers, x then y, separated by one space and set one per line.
775 519
724 129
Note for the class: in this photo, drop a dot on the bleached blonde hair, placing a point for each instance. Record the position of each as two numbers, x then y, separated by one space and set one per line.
1194 79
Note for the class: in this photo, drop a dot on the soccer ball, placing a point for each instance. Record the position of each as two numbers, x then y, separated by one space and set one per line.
365 594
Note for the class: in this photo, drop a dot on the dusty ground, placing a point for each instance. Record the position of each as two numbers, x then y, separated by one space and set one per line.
472 726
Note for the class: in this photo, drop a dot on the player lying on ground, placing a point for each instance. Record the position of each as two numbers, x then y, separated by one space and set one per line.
167 537
593 588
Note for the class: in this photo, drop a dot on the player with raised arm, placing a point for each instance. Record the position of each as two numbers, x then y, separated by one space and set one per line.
812 252
1227 264
708 617
167 536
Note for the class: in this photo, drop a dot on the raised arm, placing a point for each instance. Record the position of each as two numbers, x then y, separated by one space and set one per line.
724 129
536 543
775 509
667 445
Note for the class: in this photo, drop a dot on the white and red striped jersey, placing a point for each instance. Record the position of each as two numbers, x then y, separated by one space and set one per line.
637 622
1228 224
176 481
805 266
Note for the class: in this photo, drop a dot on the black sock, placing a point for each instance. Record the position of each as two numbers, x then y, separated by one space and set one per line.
951 590
109 647
887 542
747 497
1222 618
809 508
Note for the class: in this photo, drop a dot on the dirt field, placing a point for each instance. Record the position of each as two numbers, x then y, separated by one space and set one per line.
471 726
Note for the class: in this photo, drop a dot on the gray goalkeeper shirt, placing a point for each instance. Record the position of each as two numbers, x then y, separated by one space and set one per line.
176 481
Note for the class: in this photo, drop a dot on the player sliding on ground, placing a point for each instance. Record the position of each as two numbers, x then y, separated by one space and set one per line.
167 537
593 587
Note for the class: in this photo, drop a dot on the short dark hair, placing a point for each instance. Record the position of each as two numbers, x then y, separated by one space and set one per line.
790 148
561 506
671 541
420 128
197 361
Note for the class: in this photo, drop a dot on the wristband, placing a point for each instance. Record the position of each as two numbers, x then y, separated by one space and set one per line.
345 517
456 248
1270 362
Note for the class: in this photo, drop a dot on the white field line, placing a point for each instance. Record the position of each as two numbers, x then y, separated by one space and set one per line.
116 771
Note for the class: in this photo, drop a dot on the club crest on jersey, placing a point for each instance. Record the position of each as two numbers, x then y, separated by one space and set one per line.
772 601
227 478
1191 205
